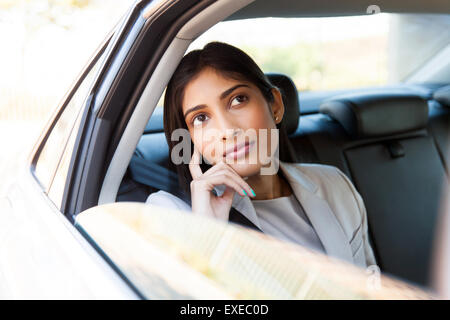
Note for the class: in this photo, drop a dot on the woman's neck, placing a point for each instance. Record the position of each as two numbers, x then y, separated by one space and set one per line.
268 187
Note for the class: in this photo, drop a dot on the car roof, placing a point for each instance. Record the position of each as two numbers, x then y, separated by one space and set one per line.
326 8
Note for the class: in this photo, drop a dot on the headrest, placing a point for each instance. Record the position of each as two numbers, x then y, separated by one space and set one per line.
290 99
442 95
374 113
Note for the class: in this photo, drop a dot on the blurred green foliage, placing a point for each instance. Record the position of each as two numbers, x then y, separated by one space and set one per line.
327 65
300 61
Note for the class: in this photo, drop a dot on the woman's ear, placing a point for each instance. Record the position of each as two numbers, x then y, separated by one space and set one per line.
277 106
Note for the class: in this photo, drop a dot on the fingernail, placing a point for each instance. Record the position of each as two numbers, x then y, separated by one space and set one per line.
253 192
244 192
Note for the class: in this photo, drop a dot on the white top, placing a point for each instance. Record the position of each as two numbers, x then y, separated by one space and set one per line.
284 218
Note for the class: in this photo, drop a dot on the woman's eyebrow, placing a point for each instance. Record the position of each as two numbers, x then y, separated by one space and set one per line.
228 91
222 96
200 106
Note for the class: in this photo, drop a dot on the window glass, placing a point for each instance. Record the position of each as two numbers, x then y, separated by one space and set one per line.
169 254
332 53
58 139
56 191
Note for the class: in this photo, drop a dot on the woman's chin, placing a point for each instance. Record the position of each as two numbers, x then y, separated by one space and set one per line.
246 169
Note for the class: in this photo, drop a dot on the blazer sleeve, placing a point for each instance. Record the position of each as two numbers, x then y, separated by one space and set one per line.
167 200
368 251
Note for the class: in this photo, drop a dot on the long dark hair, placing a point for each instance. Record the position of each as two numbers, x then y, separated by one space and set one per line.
230 62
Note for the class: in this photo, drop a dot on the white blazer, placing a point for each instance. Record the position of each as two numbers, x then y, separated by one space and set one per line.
331 202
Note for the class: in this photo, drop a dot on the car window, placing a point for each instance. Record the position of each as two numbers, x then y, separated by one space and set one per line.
333 53
58 147
58 184
201 258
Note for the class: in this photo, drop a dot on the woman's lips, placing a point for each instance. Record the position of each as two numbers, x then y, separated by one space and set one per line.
238 150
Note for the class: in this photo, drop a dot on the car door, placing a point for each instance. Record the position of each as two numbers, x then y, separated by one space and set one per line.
42 254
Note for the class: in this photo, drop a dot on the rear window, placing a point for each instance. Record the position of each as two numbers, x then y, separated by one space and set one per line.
335 53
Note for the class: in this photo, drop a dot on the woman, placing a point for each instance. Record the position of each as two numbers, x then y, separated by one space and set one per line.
230 110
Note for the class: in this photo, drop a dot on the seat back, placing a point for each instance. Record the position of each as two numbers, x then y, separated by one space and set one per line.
439 123
395 165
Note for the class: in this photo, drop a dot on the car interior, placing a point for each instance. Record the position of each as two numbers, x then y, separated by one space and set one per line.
391 141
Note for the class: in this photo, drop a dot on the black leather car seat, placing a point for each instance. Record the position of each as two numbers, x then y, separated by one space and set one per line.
395 165
439 123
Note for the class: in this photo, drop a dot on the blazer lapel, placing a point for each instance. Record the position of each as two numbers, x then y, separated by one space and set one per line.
319 213
317 209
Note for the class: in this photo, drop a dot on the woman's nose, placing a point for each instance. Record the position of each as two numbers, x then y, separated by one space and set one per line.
228 128
230 133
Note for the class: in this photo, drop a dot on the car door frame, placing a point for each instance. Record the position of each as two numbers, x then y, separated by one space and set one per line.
42 254
139 45
64 255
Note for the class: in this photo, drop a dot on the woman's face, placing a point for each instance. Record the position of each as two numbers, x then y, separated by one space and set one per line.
230 120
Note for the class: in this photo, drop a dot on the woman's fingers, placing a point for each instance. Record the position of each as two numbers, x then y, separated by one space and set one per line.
221 168
228 193
194 165
237 178
211 181
221 165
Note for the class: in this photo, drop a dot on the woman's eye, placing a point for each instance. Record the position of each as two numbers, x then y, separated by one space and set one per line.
199 119
238 99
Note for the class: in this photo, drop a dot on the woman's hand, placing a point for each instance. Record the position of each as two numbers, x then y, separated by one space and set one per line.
204 202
